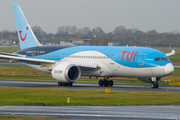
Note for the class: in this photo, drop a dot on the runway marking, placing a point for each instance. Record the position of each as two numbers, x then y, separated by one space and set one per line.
4 107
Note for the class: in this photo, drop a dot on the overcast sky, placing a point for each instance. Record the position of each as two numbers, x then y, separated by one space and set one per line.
161 15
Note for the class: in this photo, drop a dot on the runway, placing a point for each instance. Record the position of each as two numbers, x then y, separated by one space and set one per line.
87 86
94 112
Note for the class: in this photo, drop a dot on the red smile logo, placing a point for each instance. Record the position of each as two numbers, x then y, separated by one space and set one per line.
20 31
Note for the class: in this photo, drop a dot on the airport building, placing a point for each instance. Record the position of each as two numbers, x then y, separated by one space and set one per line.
6 42
76 42
113 44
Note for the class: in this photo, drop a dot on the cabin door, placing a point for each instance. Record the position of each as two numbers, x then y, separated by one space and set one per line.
33 53
63 55
112 59
142 59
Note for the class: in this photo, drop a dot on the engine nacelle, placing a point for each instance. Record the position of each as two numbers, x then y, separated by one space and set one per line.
66 72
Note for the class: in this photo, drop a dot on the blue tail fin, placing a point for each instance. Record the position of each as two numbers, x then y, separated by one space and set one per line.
25 34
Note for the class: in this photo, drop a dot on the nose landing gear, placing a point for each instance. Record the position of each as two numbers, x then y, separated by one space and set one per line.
106 82
154 85
154 82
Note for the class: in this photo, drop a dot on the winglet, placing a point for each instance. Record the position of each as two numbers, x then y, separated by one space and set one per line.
25 34
171 53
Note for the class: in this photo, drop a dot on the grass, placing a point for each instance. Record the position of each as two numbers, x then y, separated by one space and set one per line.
47 96
39 79
19 118
9 49
21 71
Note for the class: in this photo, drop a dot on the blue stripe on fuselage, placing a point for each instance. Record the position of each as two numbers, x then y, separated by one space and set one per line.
144 58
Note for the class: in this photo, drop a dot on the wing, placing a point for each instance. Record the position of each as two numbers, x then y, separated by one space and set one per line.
27 60
86 65
10 54
42 62
171 53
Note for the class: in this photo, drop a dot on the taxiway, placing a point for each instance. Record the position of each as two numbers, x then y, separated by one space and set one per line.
94 112
87 86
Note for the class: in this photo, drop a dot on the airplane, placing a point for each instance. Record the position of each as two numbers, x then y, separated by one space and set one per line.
67 64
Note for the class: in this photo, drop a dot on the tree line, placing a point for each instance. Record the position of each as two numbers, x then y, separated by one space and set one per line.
120 34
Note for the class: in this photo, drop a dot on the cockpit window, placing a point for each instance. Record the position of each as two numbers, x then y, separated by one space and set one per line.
164 59
158 59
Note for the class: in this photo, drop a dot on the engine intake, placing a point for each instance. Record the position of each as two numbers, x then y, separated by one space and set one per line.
66 72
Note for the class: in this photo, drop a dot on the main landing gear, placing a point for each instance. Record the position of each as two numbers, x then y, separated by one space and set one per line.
105 82
65 84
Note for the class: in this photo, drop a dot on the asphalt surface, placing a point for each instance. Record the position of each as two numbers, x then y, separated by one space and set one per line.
86 86
94 112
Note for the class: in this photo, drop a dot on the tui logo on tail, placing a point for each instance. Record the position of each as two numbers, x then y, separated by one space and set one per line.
20 31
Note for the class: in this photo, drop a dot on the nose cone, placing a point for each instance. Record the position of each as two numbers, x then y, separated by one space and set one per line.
169 69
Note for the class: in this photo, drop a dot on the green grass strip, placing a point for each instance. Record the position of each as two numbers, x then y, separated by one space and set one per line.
20 78
47 96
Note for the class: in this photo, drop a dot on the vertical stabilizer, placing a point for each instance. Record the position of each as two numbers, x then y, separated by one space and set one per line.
25 34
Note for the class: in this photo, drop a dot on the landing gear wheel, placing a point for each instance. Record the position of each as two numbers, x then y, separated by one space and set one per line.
111 83
64 84
152 85
70 84
60 83
156 85
154 82
106 83
101 83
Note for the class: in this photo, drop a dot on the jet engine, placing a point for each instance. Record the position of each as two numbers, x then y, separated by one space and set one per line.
66 72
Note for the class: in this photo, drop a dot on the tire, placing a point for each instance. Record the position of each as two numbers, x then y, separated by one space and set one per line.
60 83
70 84
111 83
152 85
64 84
106 83
101 83
157 85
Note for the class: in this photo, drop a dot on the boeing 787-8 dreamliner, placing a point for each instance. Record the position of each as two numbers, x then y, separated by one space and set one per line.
67 64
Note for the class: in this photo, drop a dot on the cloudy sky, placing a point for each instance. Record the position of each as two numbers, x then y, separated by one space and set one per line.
161 15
